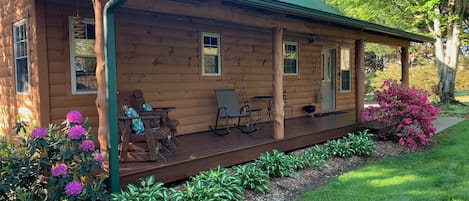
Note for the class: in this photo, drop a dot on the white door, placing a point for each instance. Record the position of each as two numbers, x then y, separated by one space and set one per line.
328 80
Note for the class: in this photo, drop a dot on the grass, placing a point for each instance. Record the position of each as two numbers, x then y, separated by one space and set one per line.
455 110
441 173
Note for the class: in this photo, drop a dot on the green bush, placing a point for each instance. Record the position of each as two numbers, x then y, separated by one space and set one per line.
315 156
361 143
215 184
53 164
339 147
252 177
278 164
149 190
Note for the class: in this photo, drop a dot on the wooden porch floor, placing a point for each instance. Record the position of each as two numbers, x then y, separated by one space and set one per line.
202 151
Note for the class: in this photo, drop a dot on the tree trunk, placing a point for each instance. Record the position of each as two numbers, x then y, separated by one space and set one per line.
101 103
447 55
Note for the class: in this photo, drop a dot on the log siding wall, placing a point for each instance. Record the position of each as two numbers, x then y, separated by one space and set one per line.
161 56
13 105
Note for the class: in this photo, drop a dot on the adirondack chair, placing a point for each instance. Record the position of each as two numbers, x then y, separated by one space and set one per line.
228 108
140 137
143 108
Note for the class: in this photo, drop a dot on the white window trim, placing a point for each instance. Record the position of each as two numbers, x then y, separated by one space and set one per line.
350 69
297 53
72 56
216 35
16 24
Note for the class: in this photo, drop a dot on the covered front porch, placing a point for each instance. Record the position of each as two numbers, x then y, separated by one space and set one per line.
204 150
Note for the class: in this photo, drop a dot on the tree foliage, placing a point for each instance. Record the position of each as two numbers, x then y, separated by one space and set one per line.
441 19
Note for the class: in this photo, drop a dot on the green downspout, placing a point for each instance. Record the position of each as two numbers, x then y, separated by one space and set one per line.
111 90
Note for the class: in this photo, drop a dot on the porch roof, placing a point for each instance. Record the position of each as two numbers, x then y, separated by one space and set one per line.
316 9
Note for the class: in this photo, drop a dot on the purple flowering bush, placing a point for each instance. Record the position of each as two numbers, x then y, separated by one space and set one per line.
407 110
53 163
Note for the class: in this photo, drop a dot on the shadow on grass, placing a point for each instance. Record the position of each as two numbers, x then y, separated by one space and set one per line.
437 174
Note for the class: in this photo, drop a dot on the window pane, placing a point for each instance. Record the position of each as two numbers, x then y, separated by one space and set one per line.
206 41
345 75
84 47
22 75
211 64
345 59
85 73
289 66
214 42
90 31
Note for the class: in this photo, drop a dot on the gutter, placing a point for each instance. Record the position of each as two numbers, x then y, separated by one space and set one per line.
297 10
111 90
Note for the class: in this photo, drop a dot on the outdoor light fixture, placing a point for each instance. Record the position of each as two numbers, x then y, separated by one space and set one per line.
311 38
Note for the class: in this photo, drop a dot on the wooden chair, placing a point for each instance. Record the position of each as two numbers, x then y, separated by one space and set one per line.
144 146
172 124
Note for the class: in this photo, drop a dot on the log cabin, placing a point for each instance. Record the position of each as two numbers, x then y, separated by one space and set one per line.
177 52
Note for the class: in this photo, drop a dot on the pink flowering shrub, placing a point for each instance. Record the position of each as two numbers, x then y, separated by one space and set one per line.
408 110
54 163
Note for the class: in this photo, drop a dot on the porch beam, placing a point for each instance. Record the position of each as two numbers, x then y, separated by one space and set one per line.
359 78
405 65
277 82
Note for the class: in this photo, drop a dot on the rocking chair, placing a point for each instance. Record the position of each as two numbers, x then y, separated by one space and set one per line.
228 108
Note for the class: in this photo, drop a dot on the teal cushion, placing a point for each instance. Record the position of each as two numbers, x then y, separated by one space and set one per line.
147 107
137 124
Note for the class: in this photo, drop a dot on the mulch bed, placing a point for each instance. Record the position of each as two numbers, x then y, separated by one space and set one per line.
289 188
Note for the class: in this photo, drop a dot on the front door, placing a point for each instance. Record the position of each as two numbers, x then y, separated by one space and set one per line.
328 80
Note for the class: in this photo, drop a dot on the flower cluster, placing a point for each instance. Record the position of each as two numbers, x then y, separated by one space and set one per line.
73 188
59 171
39 133
64 158
408 108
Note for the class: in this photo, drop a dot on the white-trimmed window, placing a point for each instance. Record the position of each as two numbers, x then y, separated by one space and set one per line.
82 56
290 58
20 38
345 70
211 65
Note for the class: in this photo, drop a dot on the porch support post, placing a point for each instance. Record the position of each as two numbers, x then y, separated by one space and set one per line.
110 55
360 78
405 65
277 82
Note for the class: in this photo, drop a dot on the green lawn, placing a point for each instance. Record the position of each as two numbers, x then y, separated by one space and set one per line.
441 173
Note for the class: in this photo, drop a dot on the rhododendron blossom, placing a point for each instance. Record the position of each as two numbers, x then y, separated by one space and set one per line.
59 171
74 116
39 133
73 188
408 108
87 145
76 132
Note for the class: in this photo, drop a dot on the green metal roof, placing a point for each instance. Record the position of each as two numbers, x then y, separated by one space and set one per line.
317 9
313 4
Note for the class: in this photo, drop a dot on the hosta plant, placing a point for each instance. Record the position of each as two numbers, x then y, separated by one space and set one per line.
339 147
252 177
361 143
149 190
215 184
53 163
315 156
278 164
408 109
